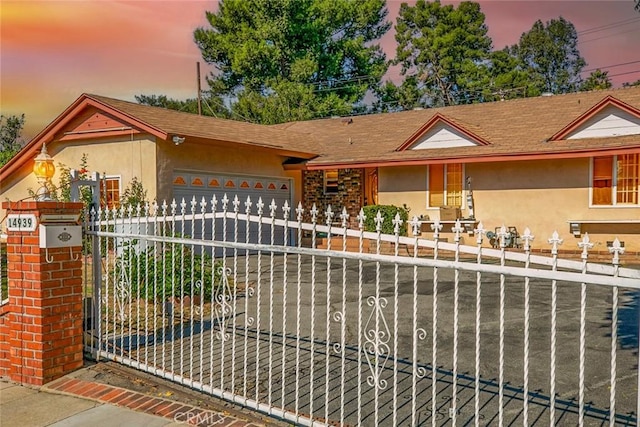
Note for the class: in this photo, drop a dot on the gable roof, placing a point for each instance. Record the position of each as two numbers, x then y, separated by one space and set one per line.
518 129
439 118
608 101
163 124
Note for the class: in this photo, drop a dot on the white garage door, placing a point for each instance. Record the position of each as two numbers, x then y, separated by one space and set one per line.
189 184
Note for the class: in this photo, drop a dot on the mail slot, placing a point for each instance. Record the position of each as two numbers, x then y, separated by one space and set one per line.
60 236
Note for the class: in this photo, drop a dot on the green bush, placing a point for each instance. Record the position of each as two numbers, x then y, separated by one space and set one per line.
168 272
388 213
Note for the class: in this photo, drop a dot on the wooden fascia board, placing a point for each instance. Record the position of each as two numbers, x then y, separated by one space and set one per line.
478 159
30 150
158 133
432 122
604 103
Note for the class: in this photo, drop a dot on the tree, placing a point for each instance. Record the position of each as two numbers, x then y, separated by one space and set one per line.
398 98
211 106
446 49
317 55
597 80
550 56
508 78
631 84
10 136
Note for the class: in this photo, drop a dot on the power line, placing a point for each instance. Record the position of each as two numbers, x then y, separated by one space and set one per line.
608 26
611 66
624 74
607 36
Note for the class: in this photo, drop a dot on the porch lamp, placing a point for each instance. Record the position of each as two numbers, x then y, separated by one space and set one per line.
44 169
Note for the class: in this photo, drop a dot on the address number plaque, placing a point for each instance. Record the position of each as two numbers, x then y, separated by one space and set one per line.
21 222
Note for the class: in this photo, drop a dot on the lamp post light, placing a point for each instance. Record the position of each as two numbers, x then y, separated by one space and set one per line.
44 169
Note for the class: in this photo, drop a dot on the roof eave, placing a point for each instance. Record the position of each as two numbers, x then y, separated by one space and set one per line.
566 154
47 134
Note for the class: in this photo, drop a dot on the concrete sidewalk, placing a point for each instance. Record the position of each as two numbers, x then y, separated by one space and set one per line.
69 402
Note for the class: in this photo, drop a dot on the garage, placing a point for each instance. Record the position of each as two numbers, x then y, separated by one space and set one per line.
189 184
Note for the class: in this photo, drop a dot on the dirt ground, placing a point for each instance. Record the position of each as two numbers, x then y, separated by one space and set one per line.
115 374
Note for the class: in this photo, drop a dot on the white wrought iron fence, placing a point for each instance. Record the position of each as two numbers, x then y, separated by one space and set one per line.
370 329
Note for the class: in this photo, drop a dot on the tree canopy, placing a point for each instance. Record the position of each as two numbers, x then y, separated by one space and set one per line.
444 50
10 136
597 80
318 56
289 60
211 106
550 56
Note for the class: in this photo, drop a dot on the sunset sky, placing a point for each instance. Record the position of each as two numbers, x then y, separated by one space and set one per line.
53 51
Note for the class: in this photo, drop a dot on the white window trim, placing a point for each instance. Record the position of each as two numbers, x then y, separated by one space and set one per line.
614 188
464 190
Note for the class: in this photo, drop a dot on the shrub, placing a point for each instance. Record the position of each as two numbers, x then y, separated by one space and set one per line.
168 272
388 213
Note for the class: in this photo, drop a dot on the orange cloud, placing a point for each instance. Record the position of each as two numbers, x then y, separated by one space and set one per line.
52 51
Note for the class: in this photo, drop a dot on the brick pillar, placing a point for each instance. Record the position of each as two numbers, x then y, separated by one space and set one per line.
43 318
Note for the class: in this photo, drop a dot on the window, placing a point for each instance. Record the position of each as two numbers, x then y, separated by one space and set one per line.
445 185
331 181
616 180
110 192
628 173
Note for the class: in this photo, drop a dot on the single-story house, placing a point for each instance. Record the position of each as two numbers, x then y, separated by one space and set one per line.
569 162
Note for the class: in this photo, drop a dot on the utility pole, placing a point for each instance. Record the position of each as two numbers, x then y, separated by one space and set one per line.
199 90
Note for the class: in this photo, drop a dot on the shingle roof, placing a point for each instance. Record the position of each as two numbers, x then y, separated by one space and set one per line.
513 128
187 124
519 128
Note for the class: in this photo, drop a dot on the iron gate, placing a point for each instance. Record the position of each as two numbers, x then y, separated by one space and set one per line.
369 329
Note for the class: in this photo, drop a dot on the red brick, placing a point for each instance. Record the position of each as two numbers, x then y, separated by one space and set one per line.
134 401
72 366
123 397
73 388
99 390
146 406
167 408
113 394
179 409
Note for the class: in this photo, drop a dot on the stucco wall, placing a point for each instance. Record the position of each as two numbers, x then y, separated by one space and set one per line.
541 195
128 158
405 185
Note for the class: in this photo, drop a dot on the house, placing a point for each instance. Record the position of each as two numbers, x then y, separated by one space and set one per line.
569 163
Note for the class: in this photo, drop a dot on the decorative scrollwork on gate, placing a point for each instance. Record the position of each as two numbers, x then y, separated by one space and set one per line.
121 296
121 292
338 316
420 371
224 299
197 308
377 336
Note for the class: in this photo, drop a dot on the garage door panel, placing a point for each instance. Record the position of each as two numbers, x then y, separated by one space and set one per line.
187 185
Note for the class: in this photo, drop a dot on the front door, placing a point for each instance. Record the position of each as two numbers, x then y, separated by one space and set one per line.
370 186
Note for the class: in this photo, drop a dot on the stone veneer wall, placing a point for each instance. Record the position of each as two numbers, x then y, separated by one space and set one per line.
349 194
